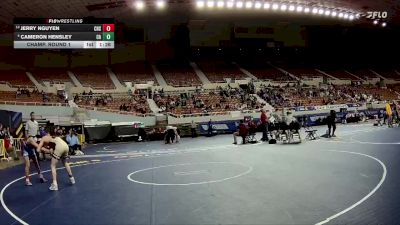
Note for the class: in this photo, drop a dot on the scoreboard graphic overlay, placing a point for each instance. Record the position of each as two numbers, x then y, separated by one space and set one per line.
45 33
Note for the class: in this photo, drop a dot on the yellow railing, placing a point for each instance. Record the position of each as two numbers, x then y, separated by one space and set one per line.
3 151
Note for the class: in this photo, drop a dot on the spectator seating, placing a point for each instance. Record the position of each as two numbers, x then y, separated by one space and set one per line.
32 97
94 77
206 102
135 72
217 71
304 72
266 72
16 78
136 104
364 73
181 75
341 74
52 75
389 74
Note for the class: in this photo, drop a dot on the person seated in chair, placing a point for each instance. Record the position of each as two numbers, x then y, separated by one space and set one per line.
73 142
242 132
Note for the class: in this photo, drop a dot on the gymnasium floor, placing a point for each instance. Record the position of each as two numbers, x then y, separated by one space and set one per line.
351 179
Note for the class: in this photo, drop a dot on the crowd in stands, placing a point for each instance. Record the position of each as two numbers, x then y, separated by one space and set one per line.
219 100
133 103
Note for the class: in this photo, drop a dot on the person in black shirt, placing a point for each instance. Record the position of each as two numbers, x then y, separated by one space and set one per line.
331 120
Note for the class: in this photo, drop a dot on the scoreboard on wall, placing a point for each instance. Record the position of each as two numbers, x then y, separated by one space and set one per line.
56 33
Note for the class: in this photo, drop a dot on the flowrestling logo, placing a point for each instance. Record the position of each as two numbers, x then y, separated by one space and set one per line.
377 15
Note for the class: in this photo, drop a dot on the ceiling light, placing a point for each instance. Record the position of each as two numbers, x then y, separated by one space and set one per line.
139 5
299 8
160 4
275 6
239 4
267 5
283 7
249 5
306 10
200 4
291 8
327 13
314 10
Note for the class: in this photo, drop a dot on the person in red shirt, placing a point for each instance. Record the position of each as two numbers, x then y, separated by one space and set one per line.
242 132
264 125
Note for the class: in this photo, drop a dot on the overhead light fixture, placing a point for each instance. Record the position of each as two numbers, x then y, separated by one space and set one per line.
375 22
299 8
346 16
160 4
257 5
351 17
210 4
340 15
239 4
283 7
200 4
334 13
229 4
306 10
327 12
321 11
267 5
139 5
220 4
275 6
249 5
384 24
291 8
315 10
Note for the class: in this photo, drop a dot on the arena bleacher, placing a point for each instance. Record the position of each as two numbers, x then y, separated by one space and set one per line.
51 75
264 71
16 78
179 75
135 72
218 71
95 77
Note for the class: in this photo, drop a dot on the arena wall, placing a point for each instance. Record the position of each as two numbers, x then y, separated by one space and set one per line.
67 112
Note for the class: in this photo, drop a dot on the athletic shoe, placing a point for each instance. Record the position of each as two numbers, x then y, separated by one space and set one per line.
42 180
234 143
53 187
28 183
72 180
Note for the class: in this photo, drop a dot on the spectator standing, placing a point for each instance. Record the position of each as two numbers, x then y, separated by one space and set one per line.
242 132
210 131
193 127
264 125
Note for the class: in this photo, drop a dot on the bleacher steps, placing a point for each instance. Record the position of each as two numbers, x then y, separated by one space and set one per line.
203 78
114 79
75 80
34 81
160 79
246 72
354 75
326 74
153 106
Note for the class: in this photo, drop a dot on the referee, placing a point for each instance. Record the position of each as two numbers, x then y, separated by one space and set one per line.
31 129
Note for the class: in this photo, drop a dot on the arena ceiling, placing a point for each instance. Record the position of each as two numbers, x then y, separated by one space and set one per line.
123 9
